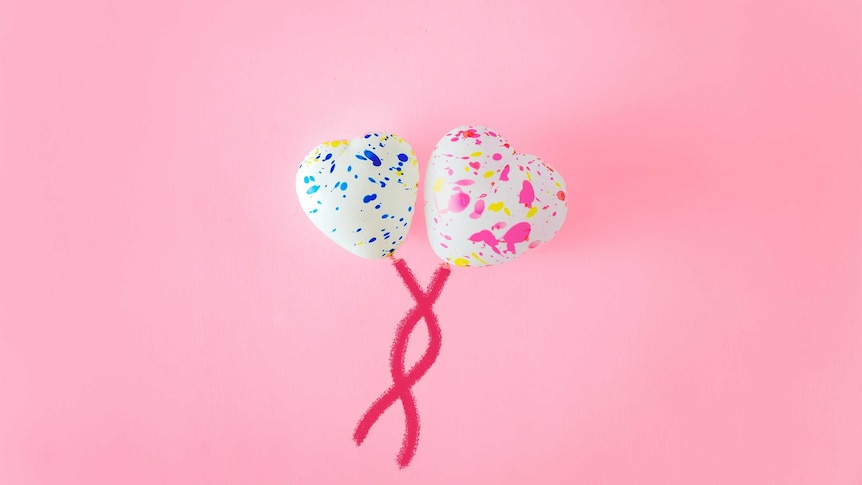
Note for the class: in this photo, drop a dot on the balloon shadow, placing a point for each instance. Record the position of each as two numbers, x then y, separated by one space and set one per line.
621 182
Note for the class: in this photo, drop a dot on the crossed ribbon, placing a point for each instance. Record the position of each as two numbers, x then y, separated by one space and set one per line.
401 382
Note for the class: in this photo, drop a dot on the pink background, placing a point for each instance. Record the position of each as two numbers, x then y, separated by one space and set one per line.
169 316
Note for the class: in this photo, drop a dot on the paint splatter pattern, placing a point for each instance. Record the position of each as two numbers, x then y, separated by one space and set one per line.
361 192
487 204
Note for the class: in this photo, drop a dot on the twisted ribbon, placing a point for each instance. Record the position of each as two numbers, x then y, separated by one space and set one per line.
402 382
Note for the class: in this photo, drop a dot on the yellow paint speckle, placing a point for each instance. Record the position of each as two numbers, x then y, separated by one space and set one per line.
506 210
496 206
532 212
438 184
475 154
461 262
477 258
528 175
489 174
336 143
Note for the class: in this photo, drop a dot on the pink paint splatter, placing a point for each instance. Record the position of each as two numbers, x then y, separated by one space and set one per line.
504 176
465 182
459 201
478 209
527 195
498 226
486 237
471 133
518 233
475 165
497 156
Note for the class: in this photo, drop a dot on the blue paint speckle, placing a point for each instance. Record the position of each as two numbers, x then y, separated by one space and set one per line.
312 189
343 185
410 209
377 206
305 179
329 155
403 157
349 168
372 239
384 216
359 229
360 157
373 157
369 198
332 168
372 180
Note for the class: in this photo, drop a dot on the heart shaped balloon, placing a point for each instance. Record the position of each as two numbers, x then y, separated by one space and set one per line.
487 204
361 192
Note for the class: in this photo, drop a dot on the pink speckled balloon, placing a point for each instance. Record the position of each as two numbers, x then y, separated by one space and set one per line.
487 204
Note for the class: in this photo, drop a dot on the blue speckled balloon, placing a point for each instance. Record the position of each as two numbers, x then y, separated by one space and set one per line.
361 193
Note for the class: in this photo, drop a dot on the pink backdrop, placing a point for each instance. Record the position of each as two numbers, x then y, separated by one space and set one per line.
169 316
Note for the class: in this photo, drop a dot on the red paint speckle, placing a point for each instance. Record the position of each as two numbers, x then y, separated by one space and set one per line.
561 195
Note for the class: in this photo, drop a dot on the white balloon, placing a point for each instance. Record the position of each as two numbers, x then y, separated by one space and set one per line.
486 204
361 192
